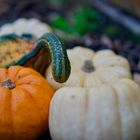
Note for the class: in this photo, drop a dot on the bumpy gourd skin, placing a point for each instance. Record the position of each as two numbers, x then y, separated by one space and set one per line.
13 48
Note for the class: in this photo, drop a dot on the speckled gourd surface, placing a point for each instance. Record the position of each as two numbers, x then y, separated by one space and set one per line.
13 48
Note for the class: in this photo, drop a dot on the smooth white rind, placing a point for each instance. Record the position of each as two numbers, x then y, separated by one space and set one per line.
97 113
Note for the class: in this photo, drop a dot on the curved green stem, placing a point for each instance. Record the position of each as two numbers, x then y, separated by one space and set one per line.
48 50
58 56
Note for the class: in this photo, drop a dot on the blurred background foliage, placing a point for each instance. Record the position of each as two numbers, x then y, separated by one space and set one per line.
72 19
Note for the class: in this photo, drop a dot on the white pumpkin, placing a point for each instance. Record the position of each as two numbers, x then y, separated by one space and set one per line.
106 112
89 68
30 26
99 100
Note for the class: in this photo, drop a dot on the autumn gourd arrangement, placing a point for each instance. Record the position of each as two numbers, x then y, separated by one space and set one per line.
87 95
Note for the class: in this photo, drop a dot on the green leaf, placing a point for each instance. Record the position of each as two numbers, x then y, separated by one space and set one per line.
62 24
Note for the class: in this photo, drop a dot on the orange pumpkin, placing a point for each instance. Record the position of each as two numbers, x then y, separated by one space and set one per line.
24 103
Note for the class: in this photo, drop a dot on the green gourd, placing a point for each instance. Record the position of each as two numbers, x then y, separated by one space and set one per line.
45 51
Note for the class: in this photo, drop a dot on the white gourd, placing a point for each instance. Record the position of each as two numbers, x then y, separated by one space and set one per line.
26 26
100 101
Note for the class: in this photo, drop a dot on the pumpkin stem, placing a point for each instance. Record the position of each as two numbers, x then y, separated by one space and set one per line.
57 55
88 66
8 83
